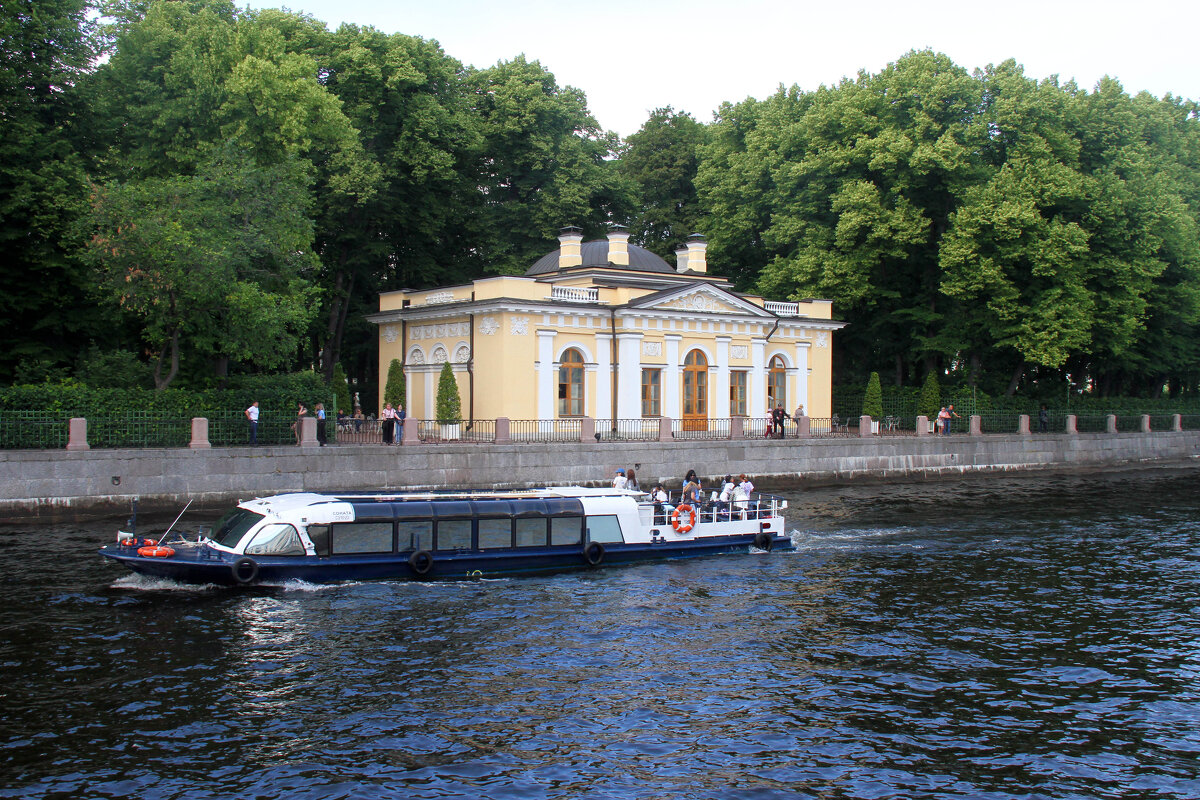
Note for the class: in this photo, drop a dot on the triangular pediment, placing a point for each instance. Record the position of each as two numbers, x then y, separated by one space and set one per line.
699 298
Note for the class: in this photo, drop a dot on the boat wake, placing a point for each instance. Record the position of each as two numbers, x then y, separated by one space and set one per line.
145 583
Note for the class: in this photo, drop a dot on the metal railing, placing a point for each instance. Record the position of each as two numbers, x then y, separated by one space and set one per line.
701 429
33 430
545 430
644 429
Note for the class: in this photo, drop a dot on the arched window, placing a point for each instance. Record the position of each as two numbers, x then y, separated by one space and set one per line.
695 391
776 383
570 384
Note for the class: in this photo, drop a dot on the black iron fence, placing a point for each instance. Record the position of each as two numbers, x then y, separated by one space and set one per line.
29 430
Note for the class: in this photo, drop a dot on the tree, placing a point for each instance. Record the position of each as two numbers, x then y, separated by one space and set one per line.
873 398
545 163
661 159
341 389
214 262
449 404
46 47
930 401
394 389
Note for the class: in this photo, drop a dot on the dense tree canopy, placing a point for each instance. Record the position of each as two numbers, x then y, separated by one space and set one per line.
226 191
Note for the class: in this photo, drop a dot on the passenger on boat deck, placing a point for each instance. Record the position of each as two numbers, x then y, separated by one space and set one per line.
661 509
631 481
691 493
741 494
725 498
619 480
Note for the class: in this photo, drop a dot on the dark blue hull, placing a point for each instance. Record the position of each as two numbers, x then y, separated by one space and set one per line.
195 565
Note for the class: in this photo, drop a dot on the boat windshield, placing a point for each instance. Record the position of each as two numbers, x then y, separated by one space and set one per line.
230 529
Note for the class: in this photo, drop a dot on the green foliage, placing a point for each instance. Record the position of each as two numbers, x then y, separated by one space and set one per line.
930 401
393 390
873 398
113 369
662 159
341 389
449 405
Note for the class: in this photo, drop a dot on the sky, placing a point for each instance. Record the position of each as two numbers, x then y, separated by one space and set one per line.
632 57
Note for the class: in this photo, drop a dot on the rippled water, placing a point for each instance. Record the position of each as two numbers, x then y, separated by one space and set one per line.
998 637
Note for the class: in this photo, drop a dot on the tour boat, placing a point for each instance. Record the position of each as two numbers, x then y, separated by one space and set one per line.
325 538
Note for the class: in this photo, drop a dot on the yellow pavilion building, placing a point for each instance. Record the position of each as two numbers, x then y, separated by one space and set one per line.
609 331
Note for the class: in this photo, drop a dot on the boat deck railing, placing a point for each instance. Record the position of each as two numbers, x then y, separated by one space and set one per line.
758 507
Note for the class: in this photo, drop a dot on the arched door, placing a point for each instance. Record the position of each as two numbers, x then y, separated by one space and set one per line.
776 384
570 384
695 392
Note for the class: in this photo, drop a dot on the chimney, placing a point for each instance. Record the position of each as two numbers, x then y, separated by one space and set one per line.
681 258
697 246
569 254
618 246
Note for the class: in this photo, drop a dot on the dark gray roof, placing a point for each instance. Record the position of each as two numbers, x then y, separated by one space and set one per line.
595 254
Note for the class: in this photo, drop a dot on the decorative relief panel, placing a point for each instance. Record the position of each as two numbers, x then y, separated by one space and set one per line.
415 357
439 297
390 333
488 326
519 326
652 348
439 355
439 331
822 339
739 351
699 301
462 355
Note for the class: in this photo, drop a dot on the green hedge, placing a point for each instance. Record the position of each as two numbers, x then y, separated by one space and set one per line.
904 401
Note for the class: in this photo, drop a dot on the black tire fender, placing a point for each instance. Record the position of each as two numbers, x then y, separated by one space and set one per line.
245 570
764 541
593 554
421 562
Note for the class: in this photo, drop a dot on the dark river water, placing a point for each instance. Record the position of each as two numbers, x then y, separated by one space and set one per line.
995 637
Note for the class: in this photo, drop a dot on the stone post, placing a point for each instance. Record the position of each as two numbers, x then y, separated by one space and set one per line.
503 435
976 424
922 425
737 427
77 434
587 430
1071 424
410 431
1177 422
803 428
1023 424
1110 423
864 425
664 429
199 434
1145 423
308 432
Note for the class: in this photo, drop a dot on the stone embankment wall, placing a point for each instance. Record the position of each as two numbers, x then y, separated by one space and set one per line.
67 484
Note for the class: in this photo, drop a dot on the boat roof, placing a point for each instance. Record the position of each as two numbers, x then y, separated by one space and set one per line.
295 501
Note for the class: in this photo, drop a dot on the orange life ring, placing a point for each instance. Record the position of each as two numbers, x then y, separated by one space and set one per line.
156 552
136 542
686 526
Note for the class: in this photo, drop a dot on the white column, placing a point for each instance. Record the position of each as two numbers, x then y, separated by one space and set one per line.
545 375
604 372
801 377
757 390
672 387
629 377
721 379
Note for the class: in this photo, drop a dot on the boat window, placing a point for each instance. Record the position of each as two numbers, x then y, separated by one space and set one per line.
604 529
415 534
362 537
319 534
231 527
454 534
531 532
495 533
566 530
276 540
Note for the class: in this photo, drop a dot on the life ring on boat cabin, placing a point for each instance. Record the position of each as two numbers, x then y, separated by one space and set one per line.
244 570
593 554
764 541
683 527
134 541
151 551
421 562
